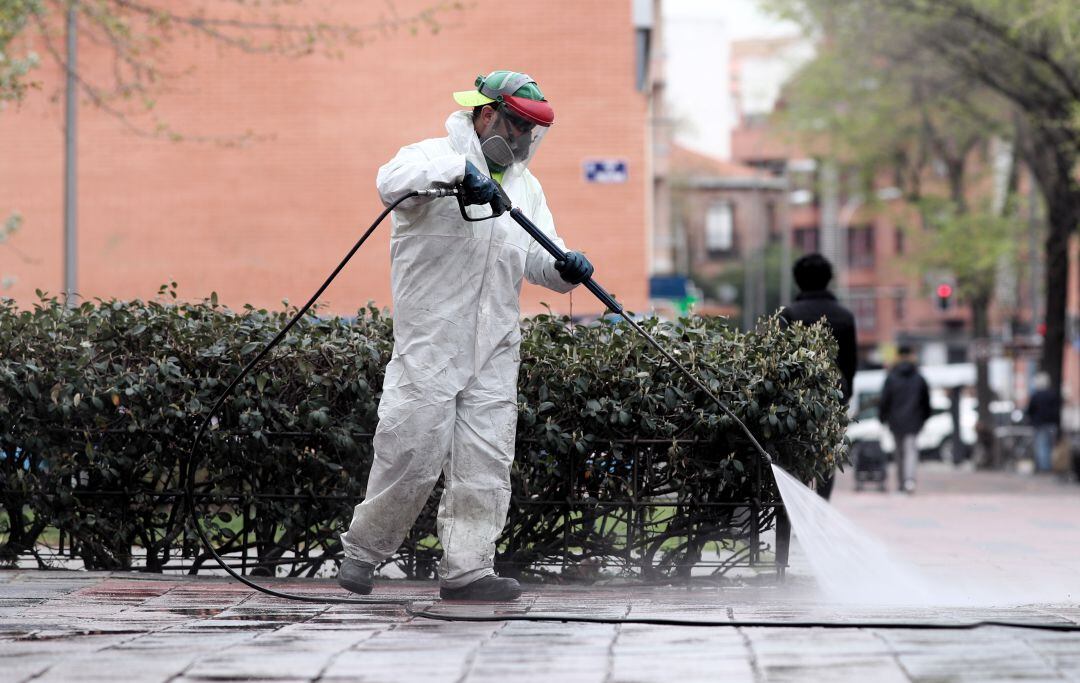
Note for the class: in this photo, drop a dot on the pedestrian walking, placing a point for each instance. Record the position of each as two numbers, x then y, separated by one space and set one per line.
814 303
1044 413
449 401
905 407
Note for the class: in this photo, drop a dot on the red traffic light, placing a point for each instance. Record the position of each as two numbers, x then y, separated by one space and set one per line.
944 290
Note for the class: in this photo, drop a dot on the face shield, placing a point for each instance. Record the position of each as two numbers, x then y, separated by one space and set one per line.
512 135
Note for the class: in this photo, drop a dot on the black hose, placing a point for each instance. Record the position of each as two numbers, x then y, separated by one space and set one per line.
656 621
407 606
190 465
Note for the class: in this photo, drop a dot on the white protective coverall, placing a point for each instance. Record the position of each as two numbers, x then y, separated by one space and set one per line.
449 401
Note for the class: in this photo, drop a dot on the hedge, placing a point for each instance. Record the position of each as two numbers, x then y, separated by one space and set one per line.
620 461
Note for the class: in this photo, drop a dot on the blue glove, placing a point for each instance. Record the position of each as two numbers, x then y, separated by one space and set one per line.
575 268
477 188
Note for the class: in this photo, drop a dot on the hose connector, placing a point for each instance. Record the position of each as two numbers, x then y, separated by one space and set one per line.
438 192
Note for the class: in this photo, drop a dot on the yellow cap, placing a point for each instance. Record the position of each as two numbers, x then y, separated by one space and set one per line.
471 98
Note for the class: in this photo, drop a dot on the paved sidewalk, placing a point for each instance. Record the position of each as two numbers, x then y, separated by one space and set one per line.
1021 532
79 626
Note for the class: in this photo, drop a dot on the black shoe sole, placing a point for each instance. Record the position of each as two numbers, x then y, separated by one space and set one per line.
354 587
508 596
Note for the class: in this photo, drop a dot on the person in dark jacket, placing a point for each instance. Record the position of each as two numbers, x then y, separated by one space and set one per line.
815 302
1044 412
905 407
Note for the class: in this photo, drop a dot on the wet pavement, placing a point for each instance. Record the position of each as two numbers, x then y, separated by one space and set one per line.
1019 533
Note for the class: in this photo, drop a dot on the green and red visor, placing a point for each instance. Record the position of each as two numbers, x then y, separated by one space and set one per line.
518 92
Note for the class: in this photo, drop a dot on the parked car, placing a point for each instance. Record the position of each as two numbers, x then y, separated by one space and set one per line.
935 440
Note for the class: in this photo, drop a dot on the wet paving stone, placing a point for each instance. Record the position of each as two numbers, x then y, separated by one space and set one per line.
199 630
92 626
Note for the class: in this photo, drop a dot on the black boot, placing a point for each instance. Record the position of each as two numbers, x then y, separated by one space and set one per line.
485 589
356 576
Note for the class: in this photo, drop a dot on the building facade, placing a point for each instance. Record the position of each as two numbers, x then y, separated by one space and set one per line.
730 222
266 216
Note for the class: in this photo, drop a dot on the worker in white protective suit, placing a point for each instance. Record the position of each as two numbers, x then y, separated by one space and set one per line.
449 402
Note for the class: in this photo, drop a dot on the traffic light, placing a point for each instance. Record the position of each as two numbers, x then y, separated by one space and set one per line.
944 296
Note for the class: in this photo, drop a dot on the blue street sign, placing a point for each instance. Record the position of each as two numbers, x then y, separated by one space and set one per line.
668 286
606 171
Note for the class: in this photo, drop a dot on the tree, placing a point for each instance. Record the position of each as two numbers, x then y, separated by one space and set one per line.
972 245
891 109
1024 51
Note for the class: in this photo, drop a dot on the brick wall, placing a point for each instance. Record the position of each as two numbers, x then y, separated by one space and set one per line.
270 220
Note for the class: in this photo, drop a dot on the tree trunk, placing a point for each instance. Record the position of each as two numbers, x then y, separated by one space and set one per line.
984 428
1063 217
1052 156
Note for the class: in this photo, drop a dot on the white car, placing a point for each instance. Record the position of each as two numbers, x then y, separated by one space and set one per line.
935 440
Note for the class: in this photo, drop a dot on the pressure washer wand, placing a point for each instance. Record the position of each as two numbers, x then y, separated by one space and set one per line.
600 293
553 249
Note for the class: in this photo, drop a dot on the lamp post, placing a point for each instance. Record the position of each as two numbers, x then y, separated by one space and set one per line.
70 177
840 250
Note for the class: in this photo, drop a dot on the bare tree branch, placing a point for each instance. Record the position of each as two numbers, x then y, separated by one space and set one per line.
1010 37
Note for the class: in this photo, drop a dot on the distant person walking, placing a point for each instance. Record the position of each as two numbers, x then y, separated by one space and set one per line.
815 302
1044 412
905 407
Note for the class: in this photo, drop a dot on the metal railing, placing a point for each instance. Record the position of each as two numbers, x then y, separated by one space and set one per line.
658 509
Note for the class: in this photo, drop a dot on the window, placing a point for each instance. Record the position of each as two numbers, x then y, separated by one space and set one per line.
898 306
802 176
899 241
957 354
861 246
719 228
801 197
863 305
643 27
806 240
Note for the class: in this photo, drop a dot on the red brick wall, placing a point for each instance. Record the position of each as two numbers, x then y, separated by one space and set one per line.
269 221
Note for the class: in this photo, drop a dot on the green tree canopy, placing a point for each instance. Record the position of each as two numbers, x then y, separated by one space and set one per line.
1023 52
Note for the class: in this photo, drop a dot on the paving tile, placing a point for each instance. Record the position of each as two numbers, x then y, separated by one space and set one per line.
96 626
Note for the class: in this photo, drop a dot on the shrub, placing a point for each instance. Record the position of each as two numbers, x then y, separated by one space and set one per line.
620 459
